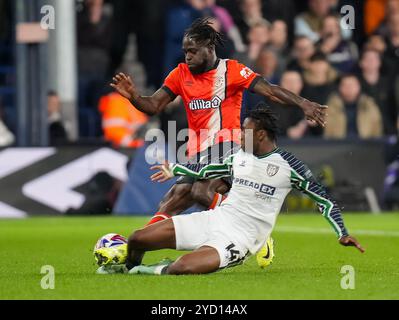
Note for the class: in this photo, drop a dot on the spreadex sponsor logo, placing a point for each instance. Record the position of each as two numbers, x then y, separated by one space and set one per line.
262 188
200 104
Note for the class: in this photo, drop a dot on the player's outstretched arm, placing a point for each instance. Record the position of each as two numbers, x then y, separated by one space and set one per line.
302 180
199 171
153 105
313 111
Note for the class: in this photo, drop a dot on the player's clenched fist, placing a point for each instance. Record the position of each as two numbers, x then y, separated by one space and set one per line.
124 85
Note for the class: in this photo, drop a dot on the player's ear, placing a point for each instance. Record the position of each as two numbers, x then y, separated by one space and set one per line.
261 135
265 135
211 48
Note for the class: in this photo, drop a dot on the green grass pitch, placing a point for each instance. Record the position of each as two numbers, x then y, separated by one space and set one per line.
307 264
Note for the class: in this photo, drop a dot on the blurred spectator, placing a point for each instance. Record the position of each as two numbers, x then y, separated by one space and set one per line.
378 86
251 14
374 14
226 23
392 55
5 23
392 41
284 10
303 50
376 43
391 183
121 122
320 80
291 119
267 65
148 25
310 23
342 54
352 114
94 24
389 8
57 132
5 31
178 19
279 43
258 37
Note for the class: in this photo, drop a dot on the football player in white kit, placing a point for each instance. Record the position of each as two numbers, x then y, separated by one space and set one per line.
263 175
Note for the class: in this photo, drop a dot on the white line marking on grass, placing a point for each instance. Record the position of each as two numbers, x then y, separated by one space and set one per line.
377 233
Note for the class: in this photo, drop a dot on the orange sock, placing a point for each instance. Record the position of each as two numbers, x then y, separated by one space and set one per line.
217 201
159 216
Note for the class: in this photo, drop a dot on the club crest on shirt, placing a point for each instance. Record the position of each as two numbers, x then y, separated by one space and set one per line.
272 170
246 72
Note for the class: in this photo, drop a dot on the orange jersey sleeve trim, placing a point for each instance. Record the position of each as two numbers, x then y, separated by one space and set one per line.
172 82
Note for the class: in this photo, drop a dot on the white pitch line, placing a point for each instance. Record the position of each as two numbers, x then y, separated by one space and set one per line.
377 233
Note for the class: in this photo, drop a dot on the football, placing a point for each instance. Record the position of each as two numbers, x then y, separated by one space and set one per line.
109 241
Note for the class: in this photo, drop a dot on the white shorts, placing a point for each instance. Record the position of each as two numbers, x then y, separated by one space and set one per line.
211 229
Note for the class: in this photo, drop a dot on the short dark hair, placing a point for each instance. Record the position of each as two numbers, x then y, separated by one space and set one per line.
346 76
265 119
367 50
201 31
318 56
52 93
302 37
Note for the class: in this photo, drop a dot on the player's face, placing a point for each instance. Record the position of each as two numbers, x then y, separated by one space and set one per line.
197 56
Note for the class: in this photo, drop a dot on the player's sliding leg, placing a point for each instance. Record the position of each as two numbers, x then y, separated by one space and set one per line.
201 261
177 200
154 237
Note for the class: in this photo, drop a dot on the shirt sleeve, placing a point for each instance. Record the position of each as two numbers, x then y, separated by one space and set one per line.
205 171
302 179
242 76
172 83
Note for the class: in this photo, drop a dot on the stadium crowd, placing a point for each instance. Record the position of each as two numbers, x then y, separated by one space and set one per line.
300 45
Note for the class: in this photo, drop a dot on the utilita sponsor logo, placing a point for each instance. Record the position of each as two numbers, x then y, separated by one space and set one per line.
205 104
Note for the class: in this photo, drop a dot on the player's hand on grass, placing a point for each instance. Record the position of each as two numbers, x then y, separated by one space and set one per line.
349 241
314 112
124 85
164 173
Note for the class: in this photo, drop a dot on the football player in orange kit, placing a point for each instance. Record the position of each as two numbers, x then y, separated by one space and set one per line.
212 90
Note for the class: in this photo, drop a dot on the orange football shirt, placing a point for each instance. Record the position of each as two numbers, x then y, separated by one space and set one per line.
212 101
